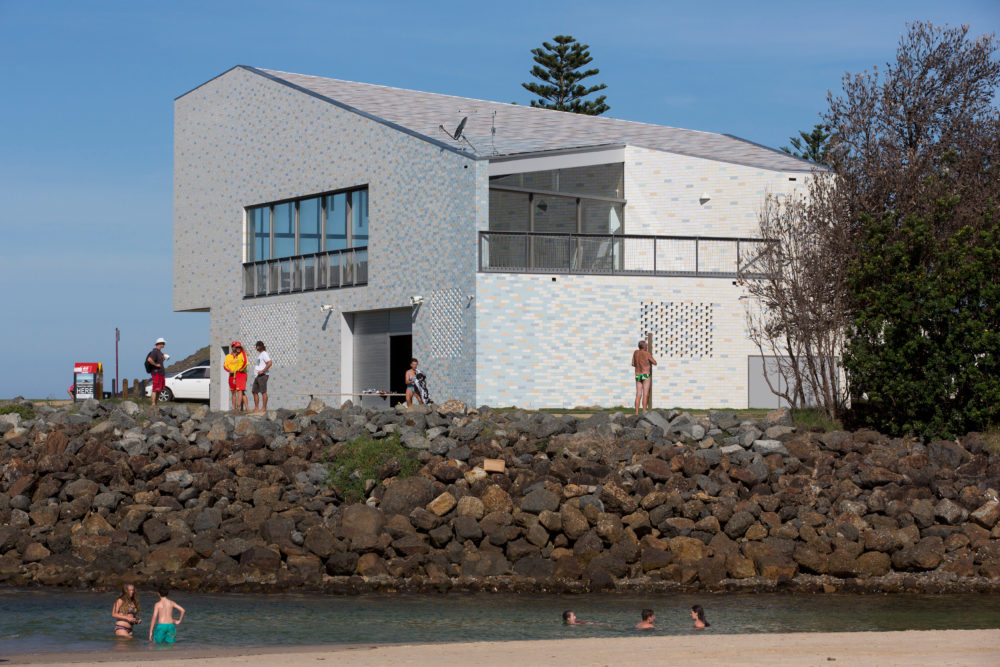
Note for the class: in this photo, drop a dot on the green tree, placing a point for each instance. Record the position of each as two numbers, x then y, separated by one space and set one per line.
813 146
915 148
925 342
558 70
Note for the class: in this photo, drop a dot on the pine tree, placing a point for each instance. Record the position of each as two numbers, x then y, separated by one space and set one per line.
558 72
814 146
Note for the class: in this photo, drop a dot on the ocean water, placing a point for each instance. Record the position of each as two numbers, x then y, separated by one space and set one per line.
33 621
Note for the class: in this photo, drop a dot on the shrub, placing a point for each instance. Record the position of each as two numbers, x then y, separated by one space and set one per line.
26 411
353 462
924 351
814 417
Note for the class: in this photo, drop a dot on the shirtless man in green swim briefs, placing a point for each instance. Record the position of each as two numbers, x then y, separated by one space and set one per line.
643 363
163 627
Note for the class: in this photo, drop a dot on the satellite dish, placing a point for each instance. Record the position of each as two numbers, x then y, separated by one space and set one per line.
457 134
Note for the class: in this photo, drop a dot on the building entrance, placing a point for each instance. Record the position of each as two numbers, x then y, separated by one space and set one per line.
383 343
400 353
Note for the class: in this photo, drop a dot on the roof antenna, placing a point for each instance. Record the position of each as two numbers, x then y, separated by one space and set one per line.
493 132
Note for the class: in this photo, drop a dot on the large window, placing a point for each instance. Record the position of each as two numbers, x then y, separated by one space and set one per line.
566 218
315 242
577 200
308 225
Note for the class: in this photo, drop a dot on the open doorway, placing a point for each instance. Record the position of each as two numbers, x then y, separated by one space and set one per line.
400 353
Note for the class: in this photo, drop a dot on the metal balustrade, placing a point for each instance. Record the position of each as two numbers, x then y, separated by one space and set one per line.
303 273
619 254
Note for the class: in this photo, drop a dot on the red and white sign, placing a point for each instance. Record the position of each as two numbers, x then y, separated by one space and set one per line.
85 367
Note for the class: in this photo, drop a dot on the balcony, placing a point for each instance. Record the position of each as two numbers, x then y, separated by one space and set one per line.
305 273
619 254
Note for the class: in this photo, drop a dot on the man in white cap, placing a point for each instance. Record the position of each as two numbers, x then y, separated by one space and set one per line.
154 365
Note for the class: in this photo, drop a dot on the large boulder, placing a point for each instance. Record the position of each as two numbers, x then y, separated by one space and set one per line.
540 500
574 523
261 559
170 559
470 506
404 495
357 520
924 555
496 499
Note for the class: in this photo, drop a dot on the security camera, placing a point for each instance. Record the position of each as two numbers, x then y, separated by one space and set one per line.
416 300
326 308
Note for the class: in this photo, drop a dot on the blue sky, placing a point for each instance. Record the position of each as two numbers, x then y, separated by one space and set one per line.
86 119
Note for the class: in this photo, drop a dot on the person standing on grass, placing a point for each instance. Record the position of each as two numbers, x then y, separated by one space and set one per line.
236 365
163 627
642 362
260 376
154 366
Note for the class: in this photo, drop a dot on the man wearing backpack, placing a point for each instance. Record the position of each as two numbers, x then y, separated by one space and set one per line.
154 366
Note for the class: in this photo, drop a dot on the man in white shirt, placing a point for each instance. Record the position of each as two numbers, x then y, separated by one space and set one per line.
260 376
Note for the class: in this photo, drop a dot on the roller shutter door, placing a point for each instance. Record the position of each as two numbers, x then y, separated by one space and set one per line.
371 349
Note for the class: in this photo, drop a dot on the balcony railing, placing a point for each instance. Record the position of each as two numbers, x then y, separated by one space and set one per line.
303 273
619 254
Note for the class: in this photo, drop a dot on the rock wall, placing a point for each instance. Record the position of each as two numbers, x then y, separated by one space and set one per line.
661 501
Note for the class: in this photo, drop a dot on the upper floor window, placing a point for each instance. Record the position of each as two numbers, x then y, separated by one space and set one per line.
575 200
308 243
308 225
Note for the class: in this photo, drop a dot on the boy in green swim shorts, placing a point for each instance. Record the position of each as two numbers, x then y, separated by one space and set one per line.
163 627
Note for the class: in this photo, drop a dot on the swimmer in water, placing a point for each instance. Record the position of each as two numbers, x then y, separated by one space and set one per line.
163 627
126 612
698 616
647 620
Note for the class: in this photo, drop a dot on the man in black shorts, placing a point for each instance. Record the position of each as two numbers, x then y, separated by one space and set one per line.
260 376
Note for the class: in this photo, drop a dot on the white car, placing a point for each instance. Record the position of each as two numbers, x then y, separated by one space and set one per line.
192 384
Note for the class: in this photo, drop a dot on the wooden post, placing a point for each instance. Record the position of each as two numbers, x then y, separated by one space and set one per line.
649 348
124 387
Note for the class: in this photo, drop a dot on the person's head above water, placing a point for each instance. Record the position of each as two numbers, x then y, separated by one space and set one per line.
569 618
648 615
698 616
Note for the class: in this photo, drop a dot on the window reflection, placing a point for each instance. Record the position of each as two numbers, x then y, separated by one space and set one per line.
359 219
260 225
284 230
310 225
336 221
316 242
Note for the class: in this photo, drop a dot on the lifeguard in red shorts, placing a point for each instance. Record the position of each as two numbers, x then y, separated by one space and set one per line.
236 365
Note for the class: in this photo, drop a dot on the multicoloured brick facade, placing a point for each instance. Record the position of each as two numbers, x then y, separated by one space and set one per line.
534 340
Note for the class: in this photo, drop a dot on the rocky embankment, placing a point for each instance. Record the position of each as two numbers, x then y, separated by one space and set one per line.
662 501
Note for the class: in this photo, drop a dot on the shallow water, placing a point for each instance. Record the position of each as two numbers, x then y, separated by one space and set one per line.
36 621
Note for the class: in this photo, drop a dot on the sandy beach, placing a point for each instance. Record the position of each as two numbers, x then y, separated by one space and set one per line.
937 647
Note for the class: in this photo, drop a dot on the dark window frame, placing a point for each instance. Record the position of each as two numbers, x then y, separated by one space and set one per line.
296 222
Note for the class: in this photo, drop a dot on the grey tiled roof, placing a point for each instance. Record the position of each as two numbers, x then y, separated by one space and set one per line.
521 130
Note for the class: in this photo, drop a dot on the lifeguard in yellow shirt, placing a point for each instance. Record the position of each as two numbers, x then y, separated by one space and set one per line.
236 365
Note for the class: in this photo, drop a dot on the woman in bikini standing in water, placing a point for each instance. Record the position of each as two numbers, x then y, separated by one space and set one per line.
126 612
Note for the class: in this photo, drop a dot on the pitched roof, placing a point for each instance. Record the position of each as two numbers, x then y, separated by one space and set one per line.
522 130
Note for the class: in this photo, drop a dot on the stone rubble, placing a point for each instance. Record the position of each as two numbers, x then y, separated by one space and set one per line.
107 492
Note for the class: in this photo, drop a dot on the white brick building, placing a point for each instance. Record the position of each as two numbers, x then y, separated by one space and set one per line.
543 244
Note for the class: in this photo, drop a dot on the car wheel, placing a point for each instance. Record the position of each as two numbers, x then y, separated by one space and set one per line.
166 395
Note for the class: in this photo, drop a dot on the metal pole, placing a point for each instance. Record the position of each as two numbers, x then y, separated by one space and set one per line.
649 348
118 337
